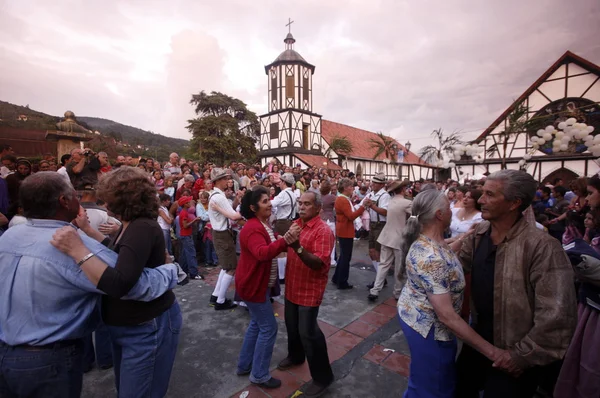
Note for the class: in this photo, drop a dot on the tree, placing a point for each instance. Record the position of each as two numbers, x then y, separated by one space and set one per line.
517 122
225 129
340 145
432 153
384 145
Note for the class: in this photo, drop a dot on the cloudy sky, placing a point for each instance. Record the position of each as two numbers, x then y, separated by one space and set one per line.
400 67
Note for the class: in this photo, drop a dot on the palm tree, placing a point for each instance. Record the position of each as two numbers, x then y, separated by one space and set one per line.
340 145
384 145
517 122
432 153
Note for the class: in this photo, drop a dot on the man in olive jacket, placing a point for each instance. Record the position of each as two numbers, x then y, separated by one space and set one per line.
522 293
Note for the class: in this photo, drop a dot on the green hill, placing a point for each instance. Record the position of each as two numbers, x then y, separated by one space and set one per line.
115 138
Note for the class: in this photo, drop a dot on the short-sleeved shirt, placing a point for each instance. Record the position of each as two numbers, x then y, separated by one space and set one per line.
184 215
217 220
303 285
172 168
87 176
381 199
431 268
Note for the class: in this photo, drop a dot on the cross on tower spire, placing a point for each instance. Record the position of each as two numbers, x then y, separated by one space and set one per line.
289 24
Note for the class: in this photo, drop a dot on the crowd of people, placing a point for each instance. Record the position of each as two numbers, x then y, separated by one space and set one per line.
496 263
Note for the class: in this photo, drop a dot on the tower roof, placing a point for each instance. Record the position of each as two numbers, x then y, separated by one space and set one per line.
289 55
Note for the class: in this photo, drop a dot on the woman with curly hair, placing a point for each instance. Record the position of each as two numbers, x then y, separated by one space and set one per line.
144 335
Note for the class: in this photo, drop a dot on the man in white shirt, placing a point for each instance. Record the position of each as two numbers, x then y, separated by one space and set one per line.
376 202
220 211
284 206
64 159
391 239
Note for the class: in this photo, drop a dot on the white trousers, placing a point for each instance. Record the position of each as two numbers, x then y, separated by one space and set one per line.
390 257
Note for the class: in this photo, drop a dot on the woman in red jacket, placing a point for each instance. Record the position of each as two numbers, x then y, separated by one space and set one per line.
344 230
256 273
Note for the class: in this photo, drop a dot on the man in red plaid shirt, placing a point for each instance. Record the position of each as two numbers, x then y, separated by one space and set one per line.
306 278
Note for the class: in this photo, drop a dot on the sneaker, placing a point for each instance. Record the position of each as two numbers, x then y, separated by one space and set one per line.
372 297
227 305
197 277
271 383
315 390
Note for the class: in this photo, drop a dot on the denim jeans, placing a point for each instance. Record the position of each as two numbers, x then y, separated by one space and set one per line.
210 255
259 341
187 257
143 355
99 349
167 235
55 370
342 271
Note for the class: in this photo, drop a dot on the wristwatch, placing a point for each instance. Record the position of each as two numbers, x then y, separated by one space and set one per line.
300 250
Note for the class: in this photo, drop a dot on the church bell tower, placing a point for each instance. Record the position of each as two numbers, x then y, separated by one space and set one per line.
290 125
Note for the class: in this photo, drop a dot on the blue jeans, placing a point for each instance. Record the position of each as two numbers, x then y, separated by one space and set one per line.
167 235
210 255
143 355
55 370
99 349
187 257
259 340
432 365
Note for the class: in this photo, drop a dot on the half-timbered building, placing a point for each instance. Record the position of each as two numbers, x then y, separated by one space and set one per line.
570 88
294 133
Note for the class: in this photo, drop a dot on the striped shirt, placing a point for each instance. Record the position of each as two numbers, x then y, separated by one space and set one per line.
303 285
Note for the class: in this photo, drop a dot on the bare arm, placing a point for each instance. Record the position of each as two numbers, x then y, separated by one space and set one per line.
3 220
79 166
165 217
442 305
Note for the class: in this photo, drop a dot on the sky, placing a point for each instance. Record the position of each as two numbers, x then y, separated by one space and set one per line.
400 67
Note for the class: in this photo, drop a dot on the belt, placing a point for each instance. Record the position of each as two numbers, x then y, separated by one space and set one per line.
49 346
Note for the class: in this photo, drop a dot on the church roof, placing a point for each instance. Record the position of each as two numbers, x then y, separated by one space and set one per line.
289 55
360 140
317 161
566 58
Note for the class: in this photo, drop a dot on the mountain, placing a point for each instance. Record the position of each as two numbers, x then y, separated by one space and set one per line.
115 138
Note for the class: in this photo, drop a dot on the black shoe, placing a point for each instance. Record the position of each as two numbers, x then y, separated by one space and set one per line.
184 282
282 281
372 297
371 285
315 390
385 283
213 299
106 367
347 287
244 373
287 363
271 383
272 300
227 305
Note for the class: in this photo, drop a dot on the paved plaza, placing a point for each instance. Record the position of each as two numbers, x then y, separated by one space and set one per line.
369 354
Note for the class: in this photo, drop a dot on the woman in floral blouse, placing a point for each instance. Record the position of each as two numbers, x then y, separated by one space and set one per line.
431 300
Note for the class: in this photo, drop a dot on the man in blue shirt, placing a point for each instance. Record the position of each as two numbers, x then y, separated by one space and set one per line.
48 304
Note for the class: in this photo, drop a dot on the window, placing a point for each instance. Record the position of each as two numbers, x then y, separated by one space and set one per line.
305 135
274 88
289 86
274 132
305 95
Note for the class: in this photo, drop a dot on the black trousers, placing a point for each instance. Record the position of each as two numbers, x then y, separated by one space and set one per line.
475 373
342 270
306 340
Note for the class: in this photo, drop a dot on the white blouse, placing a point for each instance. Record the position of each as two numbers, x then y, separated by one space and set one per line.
458 227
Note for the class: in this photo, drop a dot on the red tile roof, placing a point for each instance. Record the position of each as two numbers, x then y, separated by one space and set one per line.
315 160
27 143
360 142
